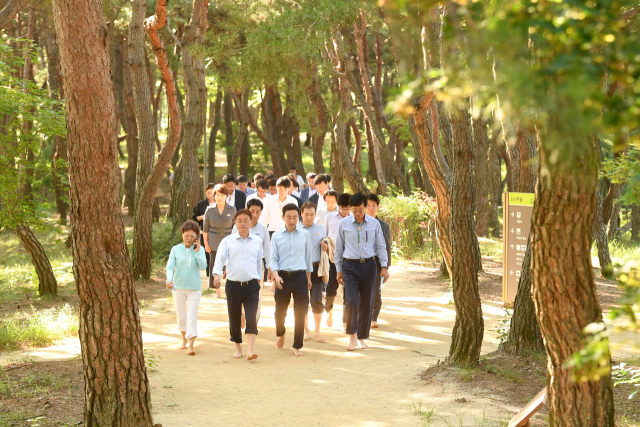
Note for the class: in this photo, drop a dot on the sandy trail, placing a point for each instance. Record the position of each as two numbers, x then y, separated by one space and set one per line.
328 386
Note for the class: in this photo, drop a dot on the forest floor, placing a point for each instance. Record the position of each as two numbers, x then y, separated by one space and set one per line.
399 381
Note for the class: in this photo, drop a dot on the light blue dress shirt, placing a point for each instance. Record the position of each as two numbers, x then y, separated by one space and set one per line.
331 222
242 256
316 234
184 266
262 232
366 242
291 251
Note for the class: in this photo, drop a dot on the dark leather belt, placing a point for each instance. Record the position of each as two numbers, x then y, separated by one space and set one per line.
361 261
234 282
290 273
315 264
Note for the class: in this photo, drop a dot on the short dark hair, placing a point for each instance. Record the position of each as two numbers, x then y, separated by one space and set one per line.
358 199
243 178
228 178
311 175
320 178
255 202
308 205
257 177
209 186
290 207
293 180
242 212
190 226
374 198
333 193
292 168
328 179
343 200
283 182
269 176
272 182
262 183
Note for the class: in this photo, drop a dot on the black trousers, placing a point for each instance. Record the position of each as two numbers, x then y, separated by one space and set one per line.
332 287
359 283
212 257
206 254
315 294
237 296
377 295
292 285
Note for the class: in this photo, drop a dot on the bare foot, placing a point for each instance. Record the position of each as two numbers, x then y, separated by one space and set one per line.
374 324
242 322
362 345
183 346
330 319
298 352
307 335
280 342
344 328
252 356
319 337
237 355
352 343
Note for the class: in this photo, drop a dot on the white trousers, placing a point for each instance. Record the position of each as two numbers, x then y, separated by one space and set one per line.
187 301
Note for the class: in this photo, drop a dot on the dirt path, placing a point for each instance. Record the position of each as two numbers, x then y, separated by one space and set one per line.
328 386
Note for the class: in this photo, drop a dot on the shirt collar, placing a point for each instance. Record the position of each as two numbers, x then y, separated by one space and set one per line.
240 237
354 218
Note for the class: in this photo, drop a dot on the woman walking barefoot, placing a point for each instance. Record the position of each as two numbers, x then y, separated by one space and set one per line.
186 260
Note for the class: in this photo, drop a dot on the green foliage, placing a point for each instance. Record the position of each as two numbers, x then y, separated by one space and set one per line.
38 327
623 374
503 326
151 359
163 241
29 116
625 169
412 223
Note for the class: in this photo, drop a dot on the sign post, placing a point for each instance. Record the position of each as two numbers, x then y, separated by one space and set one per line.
517 213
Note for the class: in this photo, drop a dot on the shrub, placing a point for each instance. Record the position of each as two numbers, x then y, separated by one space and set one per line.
38 327
412 223
162 240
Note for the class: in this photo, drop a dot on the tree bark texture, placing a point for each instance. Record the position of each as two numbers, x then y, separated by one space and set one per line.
319 131
599 235
195 114
244 125
524 334
614 221
47 284
273 113
521 151
563 286
440 178
468 330
337 180
481 169
297 148
116 386
635 222
228 125
211 156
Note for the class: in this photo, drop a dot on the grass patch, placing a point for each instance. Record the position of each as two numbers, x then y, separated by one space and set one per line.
38 327
491 248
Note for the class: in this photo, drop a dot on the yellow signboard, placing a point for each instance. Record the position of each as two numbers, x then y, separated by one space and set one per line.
517 213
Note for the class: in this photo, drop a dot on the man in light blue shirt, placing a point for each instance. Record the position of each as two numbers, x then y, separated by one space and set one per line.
359 241
316 234
242 253
292 267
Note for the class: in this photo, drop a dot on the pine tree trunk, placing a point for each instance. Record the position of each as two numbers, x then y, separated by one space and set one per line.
319 131
132 136
599 235
481 168
614 221
297 148
635 222
562 280
244 125
47 284
524 334
117 390
468 330
337 180
245 155
228 125
273 114
9 11
211 159
494 179
357 152
195 115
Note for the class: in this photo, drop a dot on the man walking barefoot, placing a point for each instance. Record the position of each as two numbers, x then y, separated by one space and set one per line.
242 253
359 241
292 267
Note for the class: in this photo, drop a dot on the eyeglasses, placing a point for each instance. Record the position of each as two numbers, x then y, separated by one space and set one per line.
189 236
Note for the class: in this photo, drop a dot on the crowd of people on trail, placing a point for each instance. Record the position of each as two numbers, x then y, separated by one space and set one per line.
303 240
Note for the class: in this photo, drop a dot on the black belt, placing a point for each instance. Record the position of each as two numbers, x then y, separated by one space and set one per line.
361 261
290 273
315 264
250 282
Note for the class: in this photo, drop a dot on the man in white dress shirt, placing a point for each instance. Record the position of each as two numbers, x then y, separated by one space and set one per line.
299 179
262 192
242 254
272 214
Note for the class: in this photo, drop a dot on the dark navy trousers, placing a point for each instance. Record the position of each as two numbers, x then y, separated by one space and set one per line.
237 296
292 285
315 294
359 282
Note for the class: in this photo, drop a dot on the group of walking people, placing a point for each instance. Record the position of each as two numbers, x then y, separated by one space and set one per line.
304 243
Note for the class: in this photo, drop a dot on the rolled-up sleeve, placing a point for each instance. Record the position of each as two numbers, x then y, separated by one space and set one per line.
221 257
337 255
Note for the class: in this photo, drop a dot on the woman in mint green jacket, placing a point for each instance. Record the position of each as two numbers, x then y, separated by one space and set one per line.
186 260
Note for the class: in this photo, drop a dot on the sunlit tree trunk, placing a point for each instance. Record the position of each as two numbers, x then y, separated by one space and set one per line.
116 386
47 284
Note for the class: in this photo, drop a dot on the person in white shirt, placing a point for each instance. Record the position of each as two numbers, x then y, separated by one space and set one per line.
330 206
272 214
331 225
262 192
292 171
